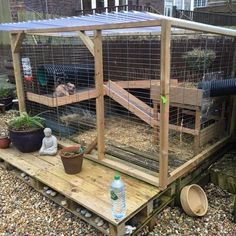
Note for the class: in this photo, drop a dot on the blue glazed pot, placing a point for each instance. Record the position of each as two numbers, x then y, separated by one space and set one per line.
27 141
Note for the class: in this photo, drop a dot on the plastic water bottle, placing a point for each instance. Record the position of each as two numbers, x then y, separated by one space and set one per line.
118 198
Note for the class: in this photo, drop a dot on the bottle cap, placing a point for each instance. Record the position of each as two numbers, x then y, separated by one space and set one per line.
117 177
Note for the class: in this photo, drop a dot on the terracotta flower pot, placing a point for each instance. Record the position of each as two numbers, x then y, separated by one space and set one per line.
71 160
4 142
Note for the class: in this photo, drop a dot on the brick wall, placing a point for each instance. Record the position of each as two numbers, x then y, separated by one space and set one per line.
157 4
15 5
57 7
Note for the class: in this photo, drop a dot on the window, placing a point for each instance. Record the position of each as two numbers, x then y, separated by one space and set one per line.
179 4
100 4
200 3
122 2
168 11
168 7
184 4
187 5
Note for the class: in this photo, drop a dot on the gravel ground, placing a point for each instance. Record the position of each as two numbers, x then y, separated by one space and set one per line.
25 212
218 220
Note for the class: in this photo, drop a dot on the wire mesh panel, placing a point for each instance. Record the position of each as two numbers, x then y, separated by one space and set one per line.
59 80
61 88
201 117
131 67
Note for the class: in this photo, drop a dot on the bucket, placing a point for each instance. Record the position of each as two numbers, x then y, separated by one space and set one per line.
194 200
72 162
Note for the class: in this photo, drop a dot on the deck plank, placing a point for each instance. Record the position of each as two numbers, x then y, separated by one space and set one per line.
89 188
99 188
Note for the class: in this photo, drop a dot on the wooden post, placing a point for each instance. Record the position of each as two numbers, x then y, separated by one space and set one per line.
198 128
232 125
16 40
234 208
155 117
178 113
165 103
233 72
233 113
98 57
118 230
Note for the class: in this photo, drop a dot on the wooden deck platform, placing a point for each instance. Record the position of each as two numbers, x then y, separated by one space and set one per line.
89 189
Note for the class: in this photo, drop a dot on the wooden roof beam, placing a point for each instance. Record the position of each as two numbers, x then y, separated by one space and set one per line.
192 25
147 23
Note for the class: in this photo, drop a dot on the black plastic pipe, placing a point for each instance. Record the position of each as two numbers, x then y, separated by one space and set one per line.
218 88
49 72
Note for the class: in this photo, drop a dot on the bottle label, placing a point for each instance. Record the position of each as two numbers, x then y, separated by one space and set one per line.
113 195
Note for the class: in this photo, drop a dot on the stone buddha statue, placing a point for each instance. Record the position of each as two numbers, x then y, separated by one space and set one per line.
49 144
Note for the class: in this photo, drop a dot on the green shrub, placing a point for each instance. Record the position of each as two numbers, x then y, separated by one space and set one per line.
26 122
5 92
199 59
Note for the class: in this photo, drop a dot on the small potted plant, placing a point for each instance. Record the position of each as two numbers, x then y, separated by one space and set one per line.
72 158
4 140
26 132
6 97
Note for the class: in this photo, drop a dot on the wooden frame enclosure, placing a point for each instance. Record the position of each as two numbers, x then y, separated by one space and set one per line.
162 93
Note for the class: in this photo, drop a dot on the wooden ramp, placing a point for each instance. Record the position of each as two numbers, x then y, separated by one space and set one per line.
89 189
130 102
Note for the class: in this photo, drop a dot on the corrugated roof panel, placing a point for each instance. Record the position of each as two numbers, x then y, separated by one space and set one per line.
118 21
88 20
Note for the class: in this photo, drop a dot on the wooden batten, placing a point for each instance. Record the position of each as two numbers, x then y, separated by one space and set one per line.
98 58
91 146
130 169
87 41
143 84
165 104
195 161
61 101
180 95
16 40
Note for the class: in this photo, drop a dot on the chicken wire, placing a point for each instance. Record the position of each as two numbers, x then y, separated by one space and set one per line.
131 65
203 119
